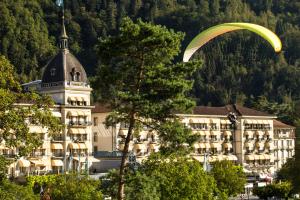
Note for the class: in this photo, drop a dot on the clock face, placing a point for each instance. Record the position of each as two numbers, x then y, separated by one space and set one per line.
59 2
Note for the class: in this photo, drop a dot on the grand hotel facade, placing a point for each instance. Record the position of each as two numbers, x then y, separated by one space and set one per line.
258 142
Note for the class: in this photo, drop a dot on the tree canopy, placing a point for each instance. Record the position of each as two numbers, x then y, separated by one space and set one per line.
18 110
141 84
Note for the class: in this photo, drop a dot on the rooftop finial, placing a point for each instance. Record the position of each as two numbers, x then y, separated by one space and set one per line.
63 36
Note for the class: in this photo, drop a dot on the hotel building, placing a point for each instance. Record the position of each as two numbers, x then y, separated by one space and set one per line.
65 80
251 143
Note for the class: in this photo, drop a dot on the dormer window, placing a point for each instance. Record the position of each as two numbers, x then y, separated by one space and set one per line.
52 71
77 76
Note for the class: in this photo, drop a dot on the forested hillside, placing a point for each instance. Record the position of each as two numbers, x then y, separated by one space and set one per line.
238 67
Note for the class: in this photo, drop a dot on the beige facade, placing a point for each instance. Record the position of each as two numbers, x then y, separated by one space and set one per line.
284 142
64 79
250 143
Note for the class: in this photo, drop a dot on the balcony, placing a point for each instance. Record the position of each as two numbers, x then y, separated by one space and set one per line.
57 155
57 138
79 124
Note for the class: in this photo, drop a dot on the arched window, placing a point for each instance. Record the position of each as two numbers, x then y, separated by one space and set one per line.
77 76
73 74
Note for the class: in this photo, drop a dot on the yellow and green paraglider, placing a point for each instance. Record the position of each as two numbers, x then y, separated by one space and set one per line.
220 29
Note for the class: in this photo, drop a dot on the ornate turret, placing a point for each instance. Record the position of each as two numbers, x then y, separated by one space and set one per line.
64 68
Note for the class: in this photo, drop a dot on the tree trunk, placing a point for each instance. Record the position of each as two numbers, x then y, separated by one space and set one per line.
121 194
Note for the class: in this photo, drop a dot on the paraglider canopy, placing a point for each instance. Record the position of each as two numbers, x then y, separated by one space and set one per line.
220 29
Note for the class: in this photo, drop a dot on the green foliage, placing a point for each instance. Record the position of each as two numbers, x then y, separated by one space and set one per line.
221 172
4 163
72 187
166 178
68 187
139 82
175 138
24 36
12 191
279 190
289 172
15 119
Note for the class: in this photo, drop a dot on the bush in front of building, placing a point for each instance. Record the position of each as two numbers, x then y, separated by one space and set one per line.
230 178
280 190
13 191
65 186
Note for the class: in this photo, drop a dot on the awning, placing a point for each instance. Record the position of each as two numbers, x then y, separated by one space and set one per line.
225 121
73 146
214 121
201 145
249 133
57 163
216 145
3 148
38 162
268 133
121 147
227 133
196 145
260 133
56 146
228 146
249 157
72 113
74 131
232 158
92 159
196 121
23 163
72 99
80 113
139 146
270 145
207 133
122 132
56 114
215 133
199 158
259 145
81 159
201 133
82 146
249 145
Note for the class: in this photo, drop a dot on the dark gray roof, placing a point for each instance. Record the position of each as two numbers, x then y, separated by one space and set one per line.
61 66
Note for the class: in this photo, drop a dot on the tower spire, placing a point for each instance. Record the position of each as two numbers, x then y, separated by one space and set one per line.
63 38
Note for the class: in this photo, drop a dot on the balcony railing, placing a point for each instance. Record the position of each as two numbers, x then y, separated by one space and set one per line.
79 124
108 154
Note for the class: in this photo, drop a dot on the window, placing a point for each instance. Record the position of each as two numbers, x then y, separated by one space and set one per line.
95 137
52 71
77 76
95 148
72 73
95 121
